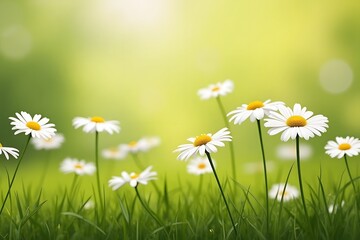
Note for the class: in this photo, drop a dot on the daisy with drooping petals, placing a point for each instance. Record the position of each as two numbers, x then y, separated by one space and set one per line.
79 167
36 126
254 110
9 151
296 122
96 123
216 90
47 144
133 179
279 191
203 143
199 166
349 146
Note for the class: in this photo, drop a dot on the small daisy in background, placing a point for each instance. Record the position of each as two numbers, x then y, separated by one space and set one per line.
203 143
257 167
9 151
286 151
199 166
89 205
35 126
132 178
96 124
334 207
79 167
142 145
255 110
216 90
279 191
349 146
116 153
343 147
296 122
54 142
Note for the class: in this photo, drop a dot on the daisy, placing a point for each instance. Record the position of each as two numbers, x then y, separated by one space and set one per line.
79 167
349 146
202 143
254 110
51 143
9 150
216 90
133 179
199 166
279 191
296 122
287 151
96 123
334 207
142 145
36 126
116 153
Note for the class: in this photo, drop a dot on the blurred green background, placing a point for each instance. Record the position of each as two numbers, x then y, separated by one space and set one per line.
142 62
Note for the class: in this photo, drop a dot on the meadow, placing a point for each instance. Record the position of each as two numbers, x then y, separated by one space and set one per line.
142 206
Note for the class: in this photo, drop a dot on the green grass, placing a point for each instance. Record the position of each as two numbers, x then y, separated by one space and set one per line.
182 213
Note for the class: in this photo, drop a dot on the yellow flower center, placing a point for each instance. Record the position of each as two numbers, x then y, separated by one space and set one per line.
215 89
344 146
283 193
97 119
1 145
132 144
254 105
33 125
133 176
202 140
201 165
78 166
296 121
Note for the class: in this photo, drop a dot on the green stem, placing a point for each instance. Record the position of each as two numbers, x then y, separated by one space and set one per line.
151 213
97 168
13 178
231 144
221 190
299 175
348 170
200 185
265 175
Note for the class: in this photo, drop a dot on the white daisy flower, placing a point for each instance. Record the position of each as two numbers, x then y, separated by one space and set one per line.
215 90
36 126
202 143
277 191
287 151
334 207
258 167
143 145
254 110
51 143
133 179
199 166
96 123
116 153
79 167
349 146
89 205
296 122
9 150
